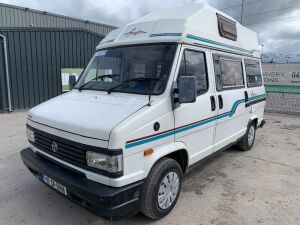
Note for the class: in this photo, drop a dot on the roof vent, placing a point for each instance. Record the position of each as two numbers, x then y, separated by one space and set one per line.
227 28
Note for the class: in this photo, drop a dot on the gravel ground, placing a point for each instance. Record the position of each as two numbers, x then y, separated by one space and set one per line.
261 186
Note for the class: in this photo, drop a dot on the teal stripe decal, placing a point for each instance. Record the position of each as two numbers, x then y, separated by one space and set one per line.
220 44
154 138
166 35
193 125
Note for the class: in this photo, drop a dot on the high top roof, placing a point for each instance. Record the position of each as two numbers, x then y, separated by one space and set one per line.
194 24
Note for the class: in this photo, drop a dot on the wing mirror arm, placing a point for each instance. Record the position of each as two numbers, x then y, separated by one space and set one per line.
72 81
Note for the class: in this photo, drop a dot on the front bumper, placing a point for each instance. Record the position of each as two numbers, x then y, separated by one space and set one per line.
105 201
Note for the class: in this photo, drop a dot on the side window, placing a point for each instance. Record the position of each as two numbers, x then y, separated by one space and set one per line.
227 28
253 73
139 70
193 64
229 73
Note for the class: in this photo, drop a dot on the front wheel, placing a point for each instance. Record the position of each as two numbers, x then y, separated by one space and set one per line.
246 143
162 188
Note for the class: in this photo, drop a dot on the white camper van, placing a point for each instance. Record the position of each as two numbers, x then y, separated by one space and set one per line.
158 96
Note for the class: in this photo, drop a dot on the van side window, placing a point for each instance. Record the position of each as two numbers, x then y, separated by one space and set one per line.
253 73
229 73
193 63
139 70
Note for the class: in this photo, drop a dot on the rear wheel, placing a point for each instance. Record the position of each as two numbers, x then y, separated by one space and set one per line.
162 189
246 143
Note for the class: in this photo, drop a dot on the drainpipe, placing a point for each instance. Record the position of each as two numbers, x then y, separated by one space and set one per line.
7 74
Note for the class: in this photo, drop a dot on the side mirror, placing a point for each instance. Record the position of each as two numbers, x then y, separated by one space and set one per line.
72 81
187 89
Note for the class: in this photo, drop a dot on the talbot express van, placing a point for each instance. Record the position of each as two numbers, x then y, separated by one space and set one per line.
158 96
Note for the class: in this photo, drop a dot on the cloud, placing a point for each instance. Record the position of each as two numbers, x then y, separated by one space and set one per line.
275 21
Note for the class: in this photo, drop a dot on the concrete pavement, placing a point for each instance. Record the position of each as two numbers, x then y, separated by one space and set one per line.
261 186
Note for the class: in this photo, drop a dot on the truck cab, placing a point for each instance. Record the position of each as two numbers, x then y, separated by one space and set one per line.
158 96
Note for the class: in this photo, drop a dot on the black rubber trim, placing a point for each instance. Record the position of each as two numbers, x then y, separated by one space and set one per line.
262 123
252 102
109 202
44 157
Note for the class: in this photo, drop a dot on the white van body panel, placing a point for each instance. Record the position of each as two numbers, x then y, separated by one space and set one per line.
139 165
194 24
84 113
194 124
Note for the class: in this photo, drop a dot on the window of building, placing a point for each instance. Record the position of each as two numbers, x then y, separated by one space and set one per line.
193 64
253 73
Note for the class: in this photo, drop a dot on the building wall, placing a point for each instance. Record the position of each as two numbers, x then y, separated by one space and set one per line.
36 57
282 82
14 16
3 90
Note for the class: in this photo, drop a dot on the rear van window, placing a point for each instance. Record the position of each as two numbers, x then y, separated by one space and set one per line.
229 73
253 73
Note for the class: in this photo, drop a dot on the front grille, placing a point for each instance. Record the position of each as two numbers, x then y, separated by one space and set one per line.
68 151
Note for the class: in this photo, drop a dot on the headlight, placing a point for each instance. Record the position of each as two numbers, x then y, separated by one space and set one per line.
30 134
111 164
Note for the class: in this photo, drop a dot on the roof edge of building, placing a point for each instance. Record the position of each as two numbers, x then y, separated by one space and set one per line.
56 15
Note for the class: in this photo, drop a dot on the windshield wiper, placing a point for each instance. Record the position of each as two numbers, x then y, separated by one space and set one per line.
137 79
96 78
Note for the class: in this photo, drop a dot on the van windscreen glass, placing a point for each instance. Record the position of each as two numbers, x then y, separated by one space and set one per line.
141 69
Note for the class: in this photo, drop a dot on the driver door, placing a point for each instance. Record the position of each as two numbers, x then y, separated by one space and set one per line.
195 122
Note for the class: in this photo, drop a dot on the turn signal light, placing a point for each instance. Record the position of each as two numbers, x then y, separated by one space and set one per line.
148 152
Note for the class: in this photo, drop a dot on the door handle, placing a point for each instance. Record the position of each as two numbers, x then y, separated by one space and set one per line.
246 97
213 103
220 99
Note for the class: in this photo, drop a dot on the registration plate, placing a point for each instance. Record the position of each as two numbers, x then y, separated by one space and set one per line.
54 184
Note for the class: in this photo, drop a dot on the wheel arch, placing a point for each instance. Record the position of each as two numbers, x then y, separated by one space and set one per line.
253 119
175 150
180 156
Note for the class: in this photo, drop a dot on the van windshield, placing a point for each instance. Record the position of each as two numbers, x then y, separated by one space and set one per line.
141 69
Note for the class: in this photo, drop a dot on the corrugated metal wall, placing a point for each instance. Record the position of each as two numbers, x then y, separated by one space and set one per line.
35 58
14 16
3 90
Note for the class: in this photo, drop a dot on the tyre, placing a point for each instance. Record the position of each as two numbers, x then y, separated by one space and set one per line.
246 143
162 189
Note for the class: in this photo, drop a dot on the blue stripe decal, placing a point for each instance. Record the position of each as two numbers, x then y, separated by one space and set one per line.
220 44
191 126
199 124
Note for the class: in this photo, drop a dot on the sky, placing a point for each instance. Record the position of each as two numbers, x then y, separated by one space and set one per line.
276 21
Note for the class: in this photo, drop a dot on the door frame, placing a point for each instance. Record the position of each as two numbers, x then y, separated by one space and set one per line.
211 90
